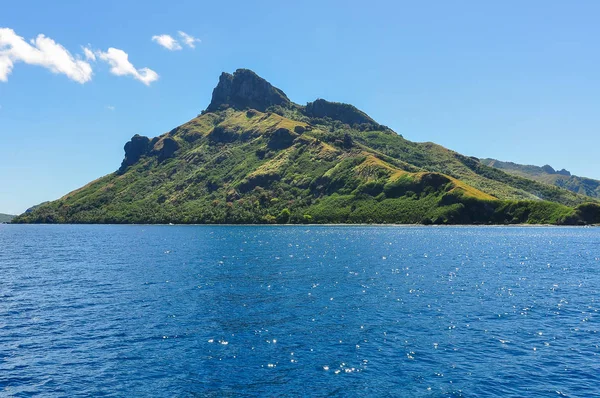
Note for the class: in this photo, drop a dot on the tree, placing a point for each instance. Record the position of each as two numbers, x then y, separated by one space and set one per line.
347 141
284 217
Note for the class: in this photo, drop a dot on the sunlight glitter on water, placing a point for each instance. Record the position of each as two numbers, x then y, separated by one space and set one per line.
394 310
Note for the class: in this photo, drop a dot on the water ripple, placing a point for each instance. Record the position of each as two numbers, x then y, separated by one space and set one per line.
299 311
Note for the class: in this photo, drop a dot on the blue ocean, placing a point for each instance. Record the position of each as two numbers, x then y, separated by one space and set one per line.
324 311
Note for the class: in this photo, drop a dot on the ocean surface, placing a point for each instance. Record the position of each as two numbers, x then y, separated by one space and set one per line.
203 311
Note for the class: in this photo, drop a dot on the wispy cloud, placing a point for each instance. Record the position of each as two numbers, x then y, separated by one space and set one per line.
189 40
120 66
167 42
110 107
89 54
41 51
170 43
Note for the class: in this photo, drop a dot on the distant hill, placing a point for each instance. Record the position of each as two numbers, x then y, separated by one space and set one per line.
4 218
254 156
547 174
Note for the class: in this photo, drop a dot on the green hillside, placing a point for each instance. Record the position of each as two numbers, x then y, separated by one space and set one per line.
4 218
547 174
256 157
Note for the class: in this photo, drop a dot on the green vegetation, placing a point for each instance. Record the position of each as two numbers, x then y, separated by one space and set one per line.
5 218
546 174
280 162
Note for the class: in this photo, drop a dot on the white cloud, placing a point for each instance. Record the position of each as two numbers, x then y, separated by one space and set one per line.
6 66
89 54
188 39
110 107
41 51
45 52
167 42
120 66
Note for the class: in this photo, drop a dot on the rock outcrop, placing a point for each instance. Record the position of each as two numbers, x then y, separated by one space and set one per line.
345 113
548 169
245 89
281 138
140 146
165 148
137 147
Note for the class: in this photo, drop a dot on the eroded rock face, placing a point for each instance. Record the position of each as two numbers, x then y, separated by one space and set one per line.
137 147
245 89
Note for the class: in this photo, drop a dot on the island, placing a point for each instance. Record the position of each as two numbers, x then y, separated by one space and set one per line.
255 157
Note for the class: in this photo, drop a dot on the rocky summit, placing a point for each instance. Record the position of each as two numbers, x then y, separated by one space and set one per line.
253 156
245 89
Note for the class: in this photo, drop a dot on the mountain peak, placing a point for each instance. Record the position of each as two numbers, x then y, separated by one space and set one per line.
245 89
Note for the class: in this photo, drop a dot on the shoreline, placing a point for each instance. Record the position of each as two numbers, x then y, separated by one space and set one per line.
327 225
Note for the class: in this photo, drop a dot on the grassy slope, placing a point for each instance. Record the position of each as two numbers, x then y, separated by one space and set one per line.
580 185
238 167
432 157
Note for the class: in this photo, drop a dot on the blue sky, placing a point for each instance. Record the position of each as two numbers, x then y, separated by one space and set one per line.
511 80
